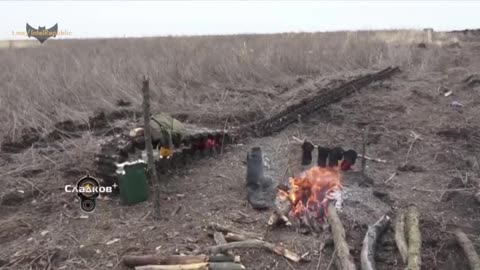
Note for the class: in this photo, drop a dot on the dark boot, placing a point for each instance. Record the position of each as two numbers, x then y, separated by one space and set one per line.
307 148
259 187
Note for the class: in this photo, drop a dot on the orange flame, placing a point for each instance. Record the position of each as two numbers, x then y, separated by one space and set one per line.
312 190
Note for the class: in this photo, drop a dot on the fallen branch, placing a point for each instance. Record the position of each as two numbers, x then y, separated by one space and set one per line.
379 160
253 243
370 242
469 249
400 236
441 190
194 266
343 259
139 260
414 237
226 229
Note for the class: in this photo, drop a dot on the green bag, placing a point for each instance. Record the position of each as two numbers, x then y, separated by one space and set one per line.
166 130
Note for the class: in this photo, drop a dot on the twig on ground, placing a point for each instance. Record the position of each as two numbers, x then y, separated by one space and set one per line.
442 190
391 177
414 261
415 138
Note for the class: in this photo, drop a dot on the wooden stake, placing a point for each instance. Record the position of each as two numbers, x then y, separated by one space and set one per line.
414 238
343 259
369 246
469 249
151 171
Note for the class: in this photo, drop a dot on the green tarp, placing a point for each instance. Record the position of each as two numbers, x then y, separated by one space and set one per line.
165 127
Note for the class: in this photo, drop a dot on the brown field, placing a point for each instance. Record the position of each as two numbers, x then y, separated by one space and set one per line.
210 79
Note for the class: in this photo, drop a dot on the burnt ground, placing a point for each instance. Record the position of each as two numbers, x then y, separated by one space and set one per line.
42 227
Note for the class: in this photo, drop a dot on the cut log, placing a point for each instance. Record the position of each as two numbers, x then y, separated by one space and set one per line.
226 229
369 246
253 243
138 260
194 266
469 249
343 260
282 208
414 261
220 239
400 236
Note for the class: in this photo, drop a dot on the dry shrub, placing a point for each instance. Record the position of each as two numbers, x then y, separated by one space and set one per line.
69 79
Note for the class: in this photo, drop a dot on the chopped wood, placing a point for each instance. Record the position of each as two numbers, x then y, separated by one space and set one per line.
343 259
195 266
254 243
469 249
414 237
226 229
153 259
369 247
400 236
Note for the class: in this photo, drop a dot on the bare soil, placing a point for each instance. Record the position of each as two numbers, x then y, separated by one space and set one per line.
42 227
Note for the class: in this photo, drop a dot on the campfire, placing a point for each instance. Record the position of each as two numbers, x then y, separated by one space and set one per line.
305 200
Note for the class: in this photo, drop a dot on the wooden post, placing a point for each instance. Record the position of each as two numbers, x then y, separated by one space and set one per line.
151 171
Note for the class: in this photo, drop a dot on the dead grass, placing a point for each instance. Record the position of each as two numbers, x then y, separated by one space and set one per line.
69 79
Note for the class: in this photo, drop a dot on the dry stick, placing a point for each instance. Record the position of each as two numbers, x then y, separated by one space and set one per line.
254 243
400 236
195 266
414 238
369 246
138 260
152 172
469 249
343 259
415 137
226 229
442 190
364 149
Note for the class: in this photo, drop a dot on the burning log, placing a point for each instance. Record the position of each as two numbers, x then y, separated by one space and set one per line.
194 266
400 236
139 260
370 242
414 237
469 249
343 259
254 243
283 207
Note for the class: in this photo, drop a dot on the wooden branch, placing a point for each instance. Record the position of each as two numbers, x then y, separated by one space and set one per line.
220 239
138 260
343 259
233 237
370 242
195 266
469 249
400 236
226 229
414 237
254 243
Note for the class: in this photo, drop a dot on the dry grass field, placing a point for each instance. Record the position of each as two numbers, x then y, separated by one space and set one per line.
209 79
